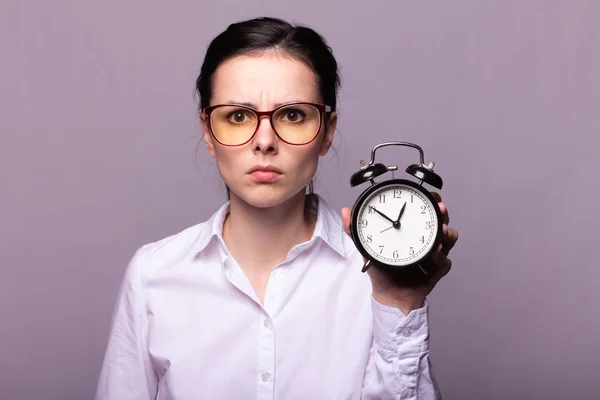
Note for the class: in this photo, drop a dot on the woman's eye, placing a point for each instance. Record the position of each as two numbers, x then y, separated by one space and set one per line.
238 117
293 116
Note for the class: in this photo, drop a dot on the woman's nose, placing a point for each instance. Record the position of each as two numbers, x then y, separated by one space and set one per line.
265 139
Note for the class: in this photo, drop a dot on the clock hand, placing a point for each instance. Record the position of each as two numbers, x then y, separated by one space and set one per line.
387 229
400 215
383 215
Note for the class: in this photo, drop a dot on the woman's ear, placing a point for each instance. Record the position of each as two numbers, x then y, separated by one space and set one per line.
330 126
210 146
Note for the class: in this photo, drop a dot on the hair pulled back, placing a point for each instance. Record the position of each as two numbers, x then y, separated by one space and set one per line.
257 35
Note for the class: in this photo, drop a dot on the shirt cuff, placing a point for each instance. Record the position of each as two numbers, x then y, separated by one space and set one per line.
394 331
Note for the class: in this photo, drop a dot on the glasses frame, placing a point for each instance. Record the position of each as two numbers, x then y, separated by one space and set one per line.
323 110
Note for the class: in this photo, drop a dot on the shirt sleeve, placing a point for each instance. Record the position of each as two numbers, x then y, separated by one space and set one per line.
399 366
127 371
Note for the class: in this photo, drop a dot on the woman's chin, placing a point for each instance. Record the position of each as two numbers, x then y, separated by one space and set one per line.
265 196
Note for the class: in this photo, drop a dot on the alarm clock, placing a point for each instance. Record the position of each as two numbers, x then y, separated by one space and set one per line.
396 223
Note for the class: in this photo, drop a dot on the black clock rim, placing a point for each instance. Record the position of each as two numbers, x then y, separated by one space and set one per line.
377 186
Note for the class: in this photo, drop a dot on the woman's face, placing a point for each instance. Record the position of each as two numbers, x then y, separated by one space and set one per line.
263 82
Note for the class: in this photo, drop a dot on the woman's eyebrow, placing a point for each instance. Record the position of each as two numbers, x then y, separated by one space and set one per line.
252 105
241 103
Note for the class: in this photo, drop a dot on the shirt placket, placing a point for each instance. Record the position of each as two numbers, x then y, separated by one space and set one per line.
266 338
266 332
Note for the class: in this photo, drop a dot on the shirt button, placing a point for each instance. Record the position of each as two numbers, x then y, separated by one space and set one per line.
266 376
267 323
406 332
278 274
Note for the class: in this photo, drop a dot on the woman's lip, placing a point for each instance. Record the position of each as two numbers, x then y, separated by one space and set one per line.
265 168
265 176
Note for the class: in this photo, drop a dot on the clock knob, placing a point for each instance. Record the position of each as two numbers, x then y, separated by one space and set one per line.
425 174
367 173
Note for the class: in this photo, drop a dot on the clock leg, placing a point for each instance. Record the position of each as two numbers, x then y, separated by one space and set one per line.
366 266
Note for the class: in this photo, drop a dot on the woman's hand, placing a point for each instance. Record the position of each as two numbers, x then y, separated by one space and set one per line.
407 290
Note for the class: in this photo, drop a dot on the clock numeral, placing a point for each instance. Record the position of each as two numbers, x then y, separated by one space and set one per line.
397 193
364 223
423 208
371 210
411 251
380 249
382 198
428 225
369 238
422 240
395 254
412 198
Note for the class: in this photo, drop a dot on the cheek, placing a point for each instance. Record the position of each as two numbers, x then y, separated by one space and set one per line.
226 162
306 162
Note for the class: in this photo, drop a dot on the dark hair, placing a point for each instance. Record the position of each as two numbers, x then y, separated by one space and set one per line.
265 33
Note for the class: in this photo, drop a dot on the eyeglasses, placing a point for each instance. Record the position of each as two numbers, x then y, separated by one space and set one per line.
296 123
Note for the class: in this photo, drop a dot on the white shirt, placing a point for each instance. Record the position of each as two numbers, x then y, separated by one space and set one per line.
188 325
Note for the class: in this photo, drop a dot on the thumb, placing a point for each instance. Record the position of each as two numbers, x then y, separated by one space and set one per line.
346 218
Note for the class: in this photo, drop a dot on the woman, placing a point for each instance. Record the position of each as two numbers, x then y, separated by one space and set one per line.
266 299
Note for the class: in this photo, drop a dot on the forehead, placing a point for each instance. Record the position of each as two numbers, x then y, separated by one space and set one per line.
264 80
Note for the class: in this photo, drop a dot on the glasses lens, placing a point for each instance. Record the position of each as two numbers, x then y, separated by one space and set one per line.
233 125
297 123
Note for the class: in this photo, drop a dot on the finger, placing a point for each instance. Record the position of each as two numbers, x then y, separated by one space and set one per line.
445 214
443 264
449 239
436 196
346 218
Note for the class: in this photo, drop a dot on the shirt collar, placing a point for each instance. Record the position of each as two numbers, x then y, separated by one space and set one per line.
211 229
327 228
329 225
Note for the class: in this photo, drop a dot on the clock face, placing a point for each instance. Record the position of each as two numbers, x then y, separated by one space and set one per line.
392 241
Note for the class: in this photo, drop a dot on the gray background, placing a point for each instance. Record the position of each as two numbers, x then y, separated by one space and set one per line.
98 155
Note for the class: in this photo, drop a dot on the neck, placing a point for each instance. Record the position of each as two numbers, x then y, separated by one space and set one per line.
260 238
